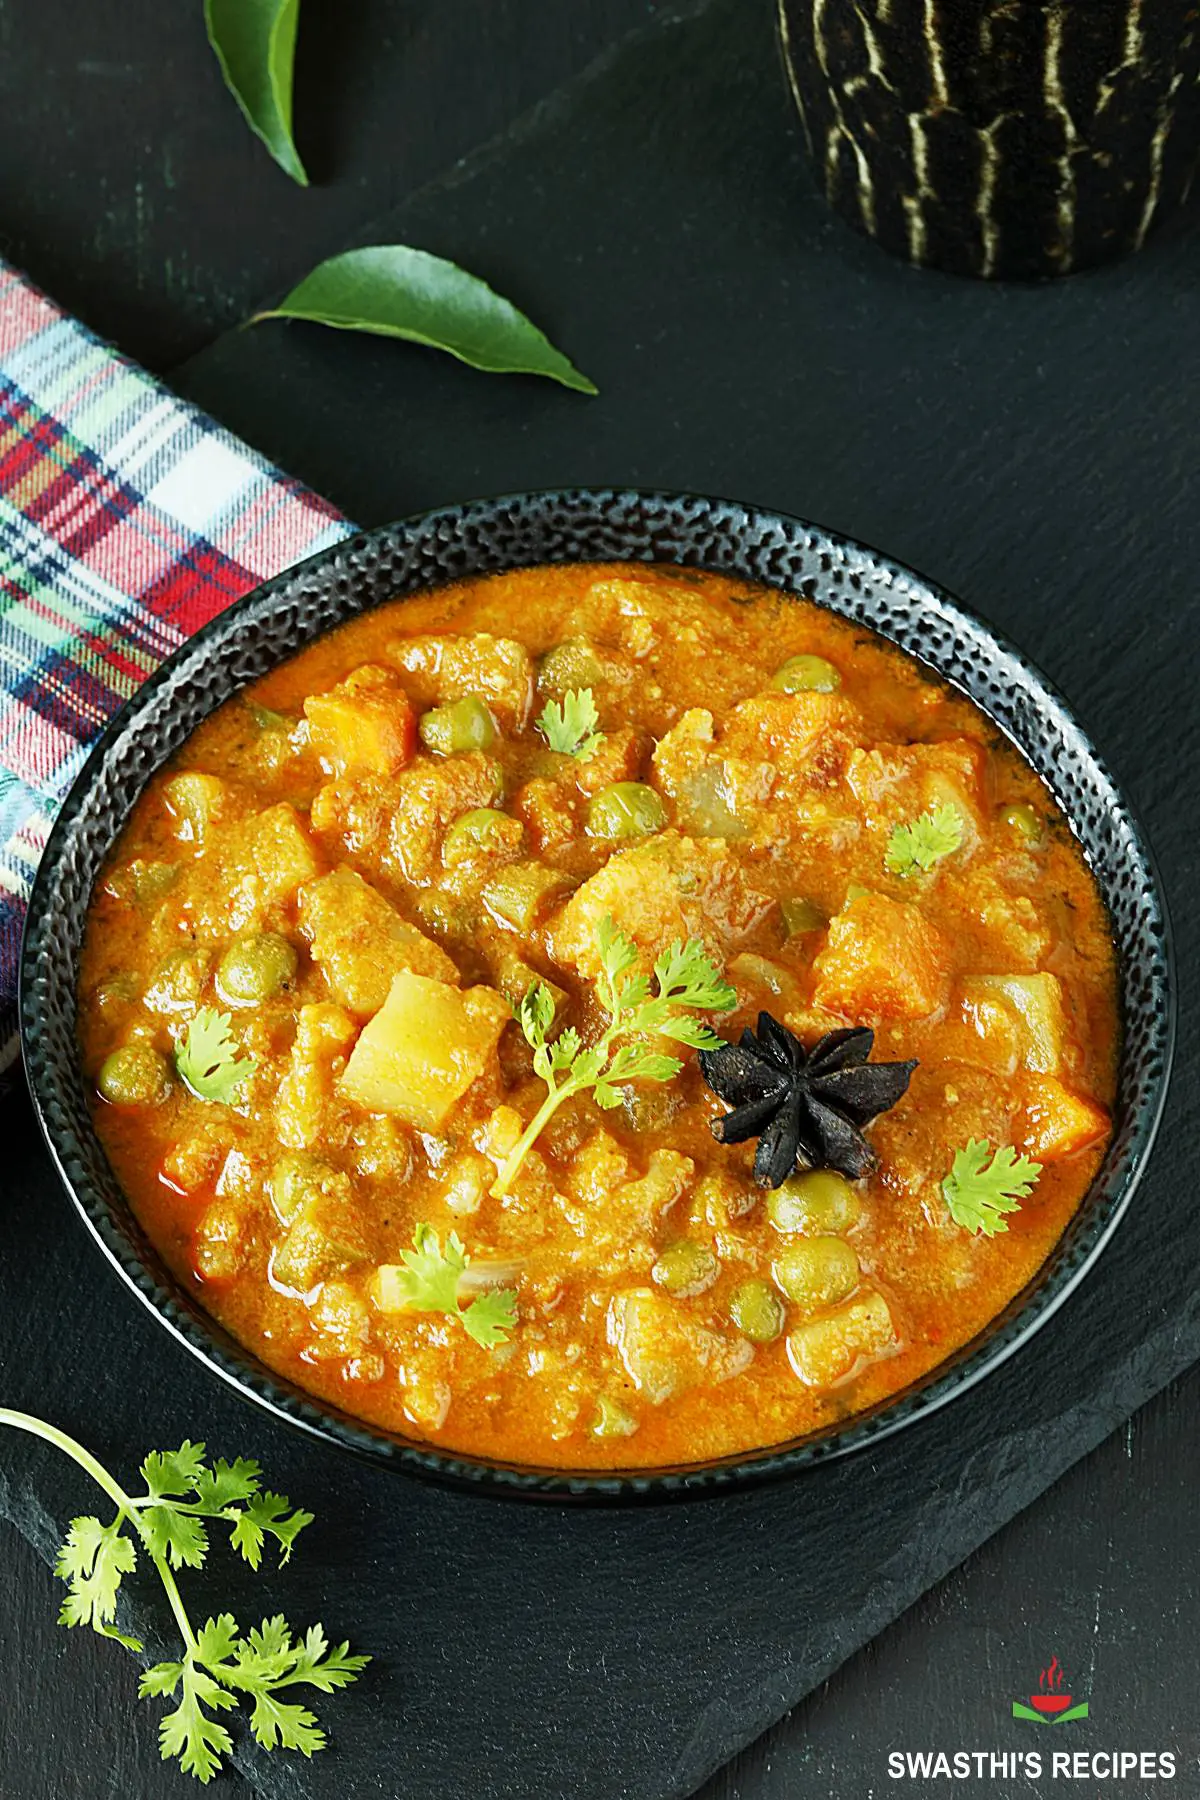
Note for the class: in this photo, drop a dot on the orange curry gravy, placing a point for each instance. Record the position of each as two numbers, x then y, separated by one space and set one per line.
297 868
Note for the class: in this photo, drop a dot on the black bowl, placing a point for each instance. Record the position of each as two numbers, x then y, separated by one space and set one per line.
277 618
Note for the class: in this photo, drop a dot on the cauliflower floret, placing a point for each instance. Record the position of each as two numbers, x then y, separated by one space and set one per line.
323 1035
900 782
665 889
449 668
396 826
618 757
808 738
275 858
359 941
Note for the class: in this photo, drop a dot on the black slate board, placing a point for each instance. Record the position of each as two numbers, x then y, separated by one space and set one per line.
1034 449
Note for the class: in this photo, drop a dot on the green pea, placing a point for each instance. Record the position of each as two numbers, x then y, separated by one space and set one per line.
800 916
817 1271
265 719
686 1267
573 664
856 891
135 1075
146 882
818 1202
255 968
757 1311
1025 820
625 809
806 675
482 832
612 1420
462 725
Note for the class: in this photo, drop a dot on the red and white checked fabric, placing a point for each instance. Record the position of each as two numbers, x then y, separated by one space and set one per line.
127 519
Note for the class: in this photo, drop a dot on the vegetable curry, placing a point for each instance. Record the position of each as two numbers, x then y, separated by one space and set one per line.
413 997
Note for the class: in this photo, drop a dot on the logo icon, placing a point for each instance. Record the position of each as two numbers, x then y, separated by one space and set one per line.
1050 1705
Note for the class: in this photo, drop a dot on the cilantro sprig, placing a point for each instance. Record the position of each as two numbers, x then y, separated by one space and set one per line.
428 1282
571 727
219 1663
207 1058
925 841
979 1197
683 976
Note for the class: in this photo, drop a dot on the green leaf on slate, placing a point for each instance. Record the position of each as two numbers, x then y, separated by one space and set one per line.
255 44
392 290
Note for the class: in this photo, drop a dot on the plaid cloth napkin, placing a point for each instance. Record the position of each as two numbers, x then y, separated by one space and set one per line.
127 518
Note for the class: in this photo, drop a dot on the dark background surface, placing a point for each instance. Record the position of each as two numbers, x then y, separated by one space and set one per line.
1033 449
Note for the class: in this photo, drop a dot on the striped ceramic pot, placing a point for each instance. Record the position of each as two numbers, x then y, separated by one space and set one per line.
1010 138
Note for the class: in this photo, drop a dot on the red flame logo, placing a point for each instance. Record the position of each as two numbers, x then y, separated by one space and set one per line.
1050 1698
1051 1679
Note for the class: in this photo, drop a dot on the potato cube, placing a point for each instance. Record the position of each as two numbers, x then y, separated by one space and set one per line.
360 942
1032 1007
882 959
664 1351
828 1349
194 800
1054 1121
273 858
364 726
424 1049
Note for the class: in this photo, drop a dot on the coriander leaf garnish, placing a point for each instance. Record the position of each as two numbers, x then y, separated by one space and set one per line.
208 1058
979 1198
684 977
925 841
92 1560
570 728
218 1662
428 1282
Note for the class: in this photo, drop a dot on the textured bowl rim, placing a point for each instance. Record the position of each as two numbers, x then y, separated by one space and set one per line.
143 1271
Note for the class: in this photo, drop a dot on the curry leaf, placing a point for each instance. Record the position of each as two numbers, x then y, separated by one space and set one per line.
392 290
255 44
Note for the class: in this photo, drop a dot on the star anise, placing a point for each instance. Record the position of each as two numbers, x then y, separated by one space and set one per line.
806 1107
